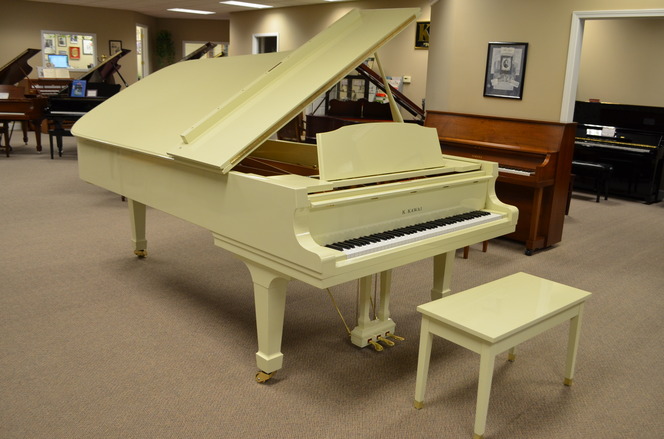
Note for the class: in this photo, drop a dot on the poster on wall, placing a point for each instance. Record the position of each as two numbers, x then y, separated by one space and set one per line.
422 34
87 46
114 46
505 70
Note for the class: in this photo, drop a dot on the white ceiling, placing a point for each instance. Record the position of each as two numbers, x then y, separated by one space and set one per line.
158 8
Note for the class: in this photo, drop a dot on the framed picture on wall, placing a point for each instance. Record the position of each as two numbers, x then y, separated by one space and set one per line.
88 46
422 34
49 45
74 52
505 70
114 46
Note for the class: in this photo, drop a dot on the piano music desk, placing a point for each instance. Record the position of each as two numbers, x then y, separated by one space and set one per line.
495 317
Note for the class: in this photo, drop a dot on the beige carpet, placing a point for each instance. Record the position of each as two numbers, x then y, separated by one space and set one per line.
95 343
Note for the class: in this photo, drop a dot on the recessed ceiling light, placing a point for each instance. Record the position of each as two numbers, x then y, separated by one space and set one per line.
247 5
191 11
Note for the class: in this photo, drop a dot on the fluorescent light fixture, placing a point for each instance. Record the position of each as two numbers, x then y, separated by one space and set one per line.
190 11
247 5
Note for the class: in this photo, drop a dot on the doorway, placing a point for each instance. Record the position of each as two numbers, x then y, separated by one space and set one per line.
265 43
142 59
574 51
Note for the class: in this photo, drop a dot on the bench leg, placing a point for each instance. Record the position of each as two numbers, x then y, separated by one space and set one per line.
572 346
423 359
487 360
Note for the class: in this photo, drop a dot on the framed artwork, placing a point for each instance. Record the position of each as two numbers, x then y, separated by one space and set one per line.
114 46
62 40
49 45
505 70
87 46
74 53
422 34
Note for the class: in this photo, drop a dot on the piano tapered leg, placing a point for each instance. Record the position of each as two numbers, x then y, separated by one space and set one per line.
442 274
270 301
137 215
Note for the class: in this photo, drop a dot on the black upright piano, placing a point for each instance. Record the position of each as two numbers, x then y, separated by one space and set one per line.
64 108
630 139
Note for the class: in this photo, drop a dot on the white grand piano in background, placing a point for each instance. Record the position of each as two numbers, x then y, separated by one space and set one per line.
196 142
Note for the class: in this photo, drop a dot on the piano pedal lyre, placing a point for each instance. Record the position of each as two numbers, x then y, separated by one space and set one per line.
262 377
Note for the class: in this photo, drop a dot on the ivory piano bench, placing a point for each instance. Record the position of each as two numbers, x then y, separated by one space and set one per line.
493 318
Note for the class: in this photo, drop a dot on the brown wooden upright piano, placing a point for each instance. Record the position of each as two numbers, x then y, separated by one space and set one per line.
534 163
18 104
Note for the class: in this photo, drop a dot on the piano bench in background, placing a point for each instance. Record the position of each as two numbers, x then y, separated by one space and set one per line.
599 172
493 318
466 249
59 133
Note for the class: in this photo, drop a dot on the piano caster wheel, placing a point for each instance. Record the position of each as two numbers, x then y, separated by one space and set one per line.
141 253
262 377
529 252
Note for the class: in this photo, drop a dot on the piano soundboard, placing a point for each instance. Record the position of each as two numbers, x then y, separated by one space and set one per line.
286 209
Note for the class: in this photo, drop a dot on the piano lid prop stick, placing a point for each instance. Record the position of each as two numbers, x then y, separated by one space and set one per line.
396 114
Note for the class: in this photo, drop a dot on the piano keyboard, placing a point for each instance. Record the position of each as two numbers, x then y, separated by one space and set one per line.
404 235
515 171
609 146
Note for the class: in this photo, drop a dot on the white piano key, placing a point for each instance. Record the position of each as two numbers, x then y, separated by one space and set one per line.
418 236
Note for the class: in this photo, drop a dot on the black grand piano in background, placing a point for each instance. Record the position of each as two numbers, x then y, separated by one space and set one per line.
629 138
63 109
200 52
18 103
339 113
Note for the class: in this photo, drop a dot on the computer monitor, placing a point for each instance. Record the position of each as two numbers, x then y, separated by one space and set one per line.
59 60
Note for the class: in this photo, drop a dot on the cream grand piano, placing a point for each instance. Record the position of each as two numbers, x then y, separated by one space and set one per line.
291 210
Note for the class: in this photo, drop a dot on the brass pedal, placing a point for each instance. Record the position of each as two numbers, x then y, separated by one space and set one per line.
396 337
376 346
386 341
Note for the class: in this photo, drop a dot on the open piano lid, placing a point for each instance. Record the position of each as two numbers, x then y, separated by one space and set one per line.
215 112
